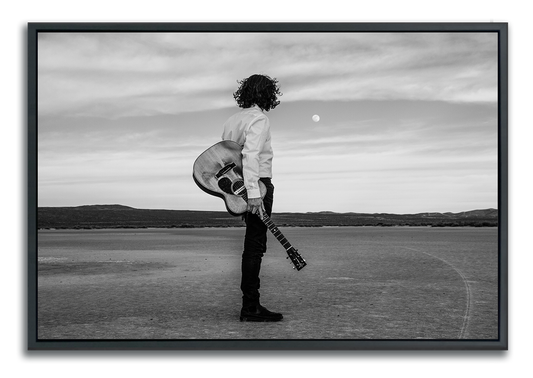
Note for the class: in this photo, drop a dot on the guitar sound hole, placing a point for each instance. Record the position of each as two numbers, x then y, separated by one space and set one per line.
225 184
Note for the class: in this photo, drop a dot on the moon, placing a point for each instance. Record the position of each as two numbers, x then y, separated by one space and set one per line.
316 118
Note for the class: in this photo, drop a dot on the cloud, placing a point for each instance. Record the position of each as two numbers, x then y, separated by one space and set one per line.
408 121
129 74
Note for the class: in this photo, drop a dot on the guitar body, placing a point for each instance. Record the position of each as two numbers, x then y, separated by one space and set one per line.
218 171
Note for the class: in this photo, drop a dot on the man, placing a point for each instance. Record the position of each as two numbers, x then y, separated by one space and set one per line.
251 129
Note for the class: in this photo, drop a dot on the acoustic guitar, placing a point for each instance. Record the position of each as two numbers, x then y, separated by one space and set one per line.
218 171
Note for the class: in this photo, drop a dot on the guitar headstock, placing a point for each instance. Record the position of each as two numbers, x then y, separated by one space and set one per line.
297 260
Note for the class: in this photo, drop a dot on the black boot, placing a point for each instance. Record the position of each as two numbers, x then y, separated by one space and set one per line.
258 313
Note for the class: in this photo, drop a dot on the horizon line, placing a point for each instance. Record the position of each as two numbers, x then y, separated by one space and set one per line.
279 212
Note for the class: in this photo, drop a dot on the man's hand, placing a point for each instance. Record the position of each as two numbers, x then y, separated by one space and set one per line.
255 206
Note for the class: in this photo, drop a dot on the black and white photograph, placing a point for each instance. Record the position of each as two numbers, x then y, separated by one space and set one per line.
268 186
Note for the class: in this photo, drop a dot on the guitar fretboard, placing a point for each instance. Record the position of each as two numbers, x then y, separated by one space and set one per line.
272 227
297 260
276 232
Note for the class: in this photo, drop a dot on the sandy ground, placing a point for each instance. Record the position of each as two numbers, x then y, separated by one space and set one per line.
360 283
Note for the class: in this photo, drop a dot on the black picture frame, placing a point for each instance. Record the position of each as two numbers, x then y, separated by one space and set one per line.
28 352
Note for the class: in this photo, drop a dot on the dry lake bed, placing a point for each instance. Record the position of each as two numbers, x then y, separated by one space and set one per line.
360 283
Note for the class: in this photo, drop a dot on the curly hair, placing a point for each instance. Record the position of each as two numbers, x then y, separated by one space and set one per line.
259 90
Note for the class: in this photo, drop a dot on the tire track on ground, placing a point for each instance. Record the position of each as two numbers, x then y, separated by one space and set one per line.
468 309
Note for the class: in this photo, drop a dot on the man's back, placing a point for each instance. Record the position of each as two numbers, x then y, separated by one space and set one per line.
251 129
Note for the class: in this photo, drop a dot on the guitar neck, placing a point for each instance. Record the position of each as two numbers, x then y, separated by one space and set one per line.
296 259
276 232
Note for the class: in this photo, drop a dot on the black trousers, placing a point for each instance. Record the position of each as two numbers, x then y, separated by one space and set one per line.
255 244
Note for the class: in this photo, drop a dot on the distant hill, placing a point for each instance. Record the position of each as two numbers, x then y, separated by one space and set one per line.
100 207
473 214
119 216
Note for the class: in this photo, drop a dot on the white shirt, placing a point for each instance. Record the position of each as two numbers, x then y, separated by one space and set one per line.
251 129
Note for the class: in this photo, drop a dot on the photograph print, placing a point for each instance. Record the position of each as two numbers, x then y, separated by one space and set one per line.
267 186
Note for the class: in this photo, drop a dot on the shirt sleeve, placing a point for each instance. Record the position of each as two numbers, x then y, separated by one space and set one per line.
254 141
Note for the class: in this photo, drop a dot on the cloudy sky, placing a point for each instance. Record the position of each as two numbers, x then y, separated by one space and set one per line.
408 121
